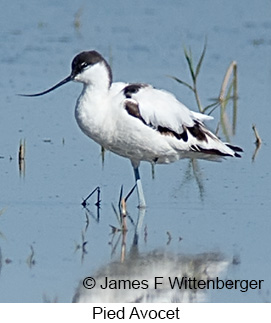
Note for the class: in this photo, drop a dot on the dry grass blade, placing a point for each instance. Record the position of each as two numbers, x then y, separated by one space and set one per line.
235 97
169 237
229 72
22 150
31 258
21 158
258 141
228 91
224 121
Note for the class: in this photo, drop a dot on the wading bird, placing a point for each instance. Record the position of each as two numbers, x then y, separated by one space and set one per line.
137 121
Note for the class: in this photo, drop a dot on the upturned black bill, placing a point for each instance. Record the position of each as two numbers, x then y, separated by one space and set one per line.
66 80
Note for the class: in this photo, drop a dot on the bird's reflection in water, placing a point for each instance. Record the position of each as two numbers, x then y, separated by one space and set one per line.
155 276
152 277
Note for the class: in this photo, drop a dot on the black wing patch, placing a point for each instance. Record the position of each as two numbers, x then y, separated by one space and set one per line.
235 149
132 108
132 89
212 151
216 152
168 132
198 132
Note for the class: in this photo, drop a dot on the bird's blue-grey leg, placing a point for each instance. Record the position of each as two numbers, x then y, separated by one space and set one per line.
141 198
139 223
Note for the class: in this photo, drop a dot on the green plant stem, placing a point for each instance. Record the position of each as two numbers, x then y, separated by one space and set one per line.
195 90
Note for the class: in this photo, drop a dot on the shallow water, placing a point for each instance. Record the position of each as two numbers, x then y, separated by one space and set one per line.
223 210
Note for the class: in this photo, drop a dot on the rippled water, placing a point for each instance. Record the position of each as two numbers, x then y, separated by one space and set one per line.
215 217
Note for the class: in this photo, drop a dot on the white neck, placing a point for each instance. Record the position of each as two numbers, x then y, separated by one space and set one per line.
95 78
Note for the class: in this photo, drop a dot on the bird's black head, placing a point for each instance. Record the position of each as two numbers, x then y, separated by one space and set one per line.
84 60
87 59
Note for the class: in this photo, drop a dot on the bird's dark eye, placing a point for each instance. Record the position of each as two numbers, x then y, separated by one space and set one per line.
84 64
